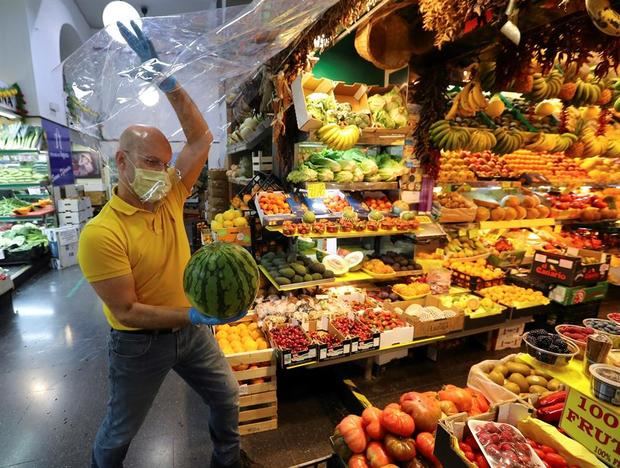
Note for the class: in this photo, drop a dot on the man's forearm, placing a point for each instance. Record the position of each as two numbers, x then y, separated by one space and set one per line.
193 123
152 317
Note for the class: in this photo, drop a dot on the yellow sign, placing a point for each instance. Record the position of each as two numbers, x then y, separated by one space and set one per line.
316 189
595 425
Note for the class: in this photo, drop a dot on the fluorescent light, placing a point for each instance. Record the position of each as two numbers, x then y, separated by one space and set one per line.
149 96
35 312
119 11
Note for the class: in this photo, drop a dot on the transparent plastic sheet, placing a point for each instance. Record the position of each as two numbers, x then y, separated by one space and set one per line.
202 50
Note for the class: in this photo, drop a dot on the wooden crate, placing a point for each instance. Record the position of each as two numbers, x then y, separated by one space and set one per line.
258 402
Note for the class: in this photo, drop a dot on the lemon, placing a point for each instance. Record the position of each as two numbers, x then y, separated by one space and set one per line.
228 224
229 215
261 344
219 218
250 346
215 226
240 222
227 350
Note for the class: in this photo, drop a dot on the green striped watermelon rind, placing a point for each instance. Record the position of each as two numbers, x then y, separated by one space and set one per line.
221 280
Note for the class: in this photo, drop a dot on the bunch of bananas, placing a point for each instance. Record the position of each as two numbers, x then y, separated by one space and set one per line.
573 119
551 142
587 92
445 136
339 138
508 141
593 145
481 140
547 87
468 101
613 149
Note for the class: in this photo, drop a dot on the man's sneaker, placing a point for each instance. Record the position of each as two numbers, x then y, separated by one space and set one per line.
247 462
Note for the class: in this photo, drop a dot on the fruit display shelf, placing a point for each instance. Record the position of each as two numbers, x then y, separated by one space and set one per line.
42 213
517 223
350 278
344 235
253 140
421 342
358 186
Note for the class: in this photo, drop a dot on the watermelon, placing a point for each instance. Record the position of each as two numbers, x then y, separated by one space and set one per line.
221 280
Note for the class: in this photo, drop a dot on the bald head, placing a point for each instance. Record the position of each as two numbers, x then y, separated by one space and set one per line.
143 139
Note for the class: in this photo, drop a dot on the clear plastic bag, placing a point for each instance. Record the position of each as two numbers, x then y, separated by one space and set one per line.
210 53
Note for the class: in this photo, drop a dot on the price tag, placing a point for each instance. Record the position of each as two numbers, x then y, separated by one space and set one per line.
316 189
34 190
1 254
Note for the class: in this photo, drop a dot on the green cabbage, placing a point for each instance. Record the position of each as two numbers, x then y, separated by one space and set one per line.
347 165
344 177
376 103
383 119
325 175
318 104
368 167
358 175
373 178
399 116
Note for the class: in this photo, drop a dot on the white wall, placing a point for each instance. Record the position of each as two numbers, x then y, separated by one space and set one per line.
45 20
15 51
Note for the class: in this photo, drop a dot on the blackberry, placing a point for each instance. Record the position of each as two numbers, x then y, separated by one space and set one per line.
554 348
543 342
538 332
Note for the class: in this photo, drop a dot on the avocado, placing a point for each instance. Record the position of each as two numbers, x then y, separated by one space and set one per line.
287 272
282 280
308 277
328 274
317 276
298 279
299 269
317 268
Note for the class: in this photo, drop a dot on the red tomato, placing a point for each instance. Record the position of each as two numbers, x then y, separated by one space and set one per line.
481 461
547 449
425 443
397 422
376 455
358 461
555 460
424 410
400 449
371 420
458 396
353 433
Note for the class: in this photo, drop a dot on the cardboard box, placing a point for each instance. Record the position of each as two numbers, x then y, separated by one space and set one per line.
353 94
430 328
66 256
306 84
289 359
324 352
75 217
396 336
98 198
73 204
579 294
63 235
68 191
235 235
568 269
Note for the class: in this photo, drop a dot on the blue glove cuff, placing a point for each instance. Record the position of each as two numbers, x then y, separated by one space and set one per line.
196 318
168 85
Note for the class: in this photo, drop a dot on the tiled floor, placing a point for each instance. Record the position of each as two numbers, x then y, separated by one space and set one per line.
53 390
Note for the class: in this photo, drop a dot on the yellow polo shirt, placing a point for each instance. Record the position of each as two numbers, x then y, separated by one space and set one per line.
153 247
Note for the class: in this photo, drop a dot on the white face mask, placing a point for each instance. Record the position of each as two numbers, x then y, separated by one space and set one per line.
150 186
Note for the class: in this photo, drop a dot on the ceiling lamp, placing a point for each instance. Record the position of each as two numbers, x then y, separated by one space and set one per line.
119 11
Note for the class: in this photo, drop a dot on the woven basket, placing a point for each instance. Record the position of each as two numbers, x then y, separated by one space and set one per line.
385 39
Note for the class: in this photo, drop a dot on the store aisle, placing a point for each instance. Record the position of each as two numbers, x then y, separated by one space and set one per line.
53 391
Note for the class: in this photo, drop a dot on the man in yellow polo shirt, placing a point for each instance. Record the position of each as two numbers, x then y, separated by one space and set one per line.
134 253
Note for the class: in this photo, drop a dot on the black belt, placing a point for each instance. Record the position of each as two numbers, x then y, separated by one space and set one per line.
159 331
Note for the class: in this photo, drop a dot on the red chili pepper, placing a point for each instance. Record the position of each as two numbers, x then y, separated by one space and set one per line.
555 460
550 414
553 398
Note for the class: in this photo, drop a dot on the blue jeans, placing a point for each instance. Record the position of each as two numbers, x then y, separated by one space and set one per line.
139 364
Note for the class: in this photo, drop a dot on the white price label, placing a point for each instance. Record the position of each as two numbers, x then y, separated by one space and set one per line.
34 190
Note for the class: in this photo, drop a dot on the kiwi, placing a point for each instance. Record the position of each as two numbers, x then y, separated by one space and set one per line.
497 377
554 385
538 389
536 380
519 379
512 387
502 368
519 368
